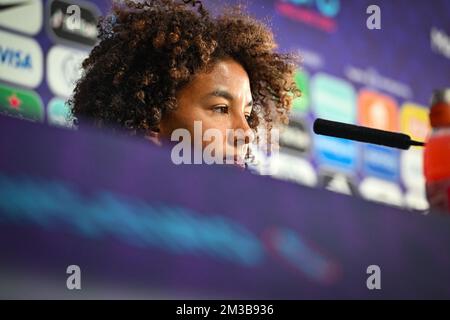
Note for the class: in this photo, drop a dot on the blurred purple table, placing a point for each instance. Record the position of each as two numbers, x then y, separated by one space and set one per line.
140 227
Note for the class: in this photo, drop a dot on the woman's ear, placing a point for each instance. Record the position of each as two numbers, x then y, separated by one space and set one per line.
154 136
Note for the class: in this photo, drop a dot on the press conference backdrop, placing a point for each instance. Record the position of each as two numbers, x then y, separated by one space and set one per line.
380 78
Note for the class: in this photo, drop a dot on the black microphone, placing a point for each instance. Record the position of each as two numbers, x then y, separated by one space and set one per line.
364 134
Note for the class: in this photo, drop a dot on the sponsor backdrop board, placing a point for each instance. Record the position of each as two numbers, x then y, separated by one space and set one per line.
381 78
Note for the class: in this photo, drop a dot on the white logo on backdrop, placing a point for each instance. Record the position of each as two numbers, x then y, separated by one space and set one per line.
378 190
22 16
64 69
293 168
440 42
21 60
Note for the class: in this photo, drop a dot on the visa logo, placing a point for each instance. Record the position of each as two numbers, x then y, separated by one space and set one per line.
15 58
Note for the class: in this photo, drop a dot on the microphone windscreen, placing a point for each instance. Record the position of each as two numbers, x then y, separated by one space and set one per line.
362 134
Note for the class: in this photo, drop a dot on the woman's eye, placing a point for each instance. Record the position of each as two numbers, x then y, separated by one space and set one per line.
221 109
247 117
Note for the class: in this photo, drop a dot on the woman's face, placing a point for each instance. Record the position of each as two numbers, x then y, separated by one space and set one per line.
220 99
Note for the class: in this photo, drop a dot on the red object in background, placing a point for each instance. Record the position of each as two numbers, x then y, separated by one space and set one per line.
437 153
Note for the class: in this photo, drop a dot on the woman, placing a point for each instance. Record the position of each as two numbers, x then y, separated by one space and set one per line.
163 65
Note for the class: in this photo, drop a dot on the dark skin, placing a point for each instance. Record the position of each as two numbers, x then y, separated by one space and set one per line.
220 99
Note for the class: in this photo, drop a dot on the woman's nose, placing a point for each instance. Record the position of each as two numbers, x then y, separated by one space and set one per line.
243 134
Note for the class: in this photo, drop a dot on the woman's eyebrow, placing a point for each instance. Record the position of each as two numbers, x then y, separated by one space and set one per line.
221 93
226 95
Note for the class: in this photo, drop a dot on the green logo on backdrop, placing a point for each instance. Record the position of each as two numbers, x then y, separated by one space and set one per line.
301 104
21 103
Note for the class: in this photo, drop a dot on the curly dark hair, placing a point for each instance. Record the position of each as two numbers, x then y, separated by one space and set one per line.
149 50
